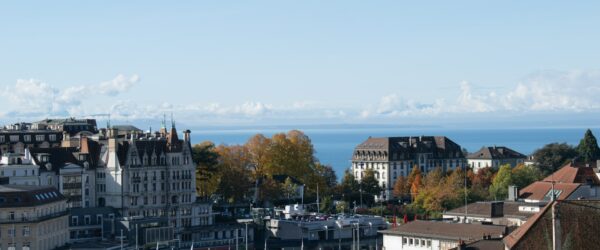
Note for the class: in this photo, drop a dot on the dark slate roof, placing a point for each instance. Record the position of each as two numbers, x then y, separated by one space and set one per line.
385 148
489 244
127 128
496 152
27 195
445 230
484 209
59 157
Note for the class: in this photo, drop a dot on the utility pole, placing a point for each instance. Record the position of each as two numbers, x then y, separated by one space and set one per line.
136 236
121 239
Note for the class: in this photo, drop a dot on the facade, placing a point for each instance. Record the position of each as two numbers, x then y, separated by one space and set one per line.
19 169
87 224
438 235
16 138
494 157
70 125
32 217
150 175
391 157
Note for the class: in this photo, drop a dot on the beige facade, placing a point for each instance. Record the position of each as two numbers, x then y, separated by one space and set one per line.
32 218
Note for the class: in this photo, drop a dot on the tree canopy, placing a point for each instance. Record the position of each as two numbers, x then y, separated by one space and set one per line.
588 148
499 187
553 156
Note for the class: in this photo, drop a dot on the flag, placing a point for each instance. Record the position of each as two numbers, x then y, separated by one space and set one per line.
405 218
192 247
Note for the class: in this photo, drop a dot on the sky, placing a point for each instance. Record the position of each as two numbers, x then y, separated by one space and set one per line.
230 63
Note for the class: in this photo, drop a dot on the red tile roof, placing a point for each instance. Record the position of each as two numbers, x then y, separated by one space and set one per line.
572 173
539 190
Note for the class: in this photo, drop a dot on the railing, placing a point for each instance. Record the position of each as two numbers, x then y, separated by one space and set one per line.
33 218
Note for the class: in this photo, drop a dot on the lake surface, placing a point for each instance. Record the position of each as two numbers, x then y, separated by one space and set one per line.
334 146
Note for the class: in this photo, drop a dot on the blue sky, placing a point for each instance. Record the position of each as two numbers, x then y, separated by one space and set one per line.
302 62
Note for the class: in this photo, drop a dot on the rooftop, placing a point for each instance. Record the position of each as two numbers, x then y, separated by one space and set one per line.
27 195
496 152
446 230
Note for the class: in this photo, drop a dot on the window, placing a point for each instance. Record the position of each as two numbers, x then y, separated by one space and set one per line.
87 220
11 216
11 231
26 230
74 220
39 138
404 241
27 138
14 138
98 219
52 137
2 138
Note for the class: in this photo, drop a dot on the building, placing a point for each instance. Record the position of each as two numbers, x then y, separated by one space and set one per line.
70 125
16 138
150 175
572 181
494 157
19 169
32 217
92 224
438 235
391 157
560 225
506 213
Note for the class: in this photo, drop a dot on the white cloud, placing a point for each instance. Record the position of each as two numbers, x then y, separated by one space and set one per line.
547 91
118 85
36 99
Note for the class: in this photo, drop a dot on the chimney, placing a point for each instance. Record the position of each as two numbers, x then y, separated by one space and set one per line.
513 193
186 135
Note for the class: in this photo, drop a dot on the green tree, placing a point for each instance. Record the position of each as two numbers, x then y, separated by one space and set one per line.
553 156
349 188
206 159
289 188
588 147
326 205
499 188
370 185
523 175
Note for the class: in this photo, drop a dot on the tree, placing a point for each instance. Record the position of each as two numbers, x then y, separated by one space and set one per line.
553 156
523 175
499 188
349 188
235 179
401 188
370 185
206 159
289 188
588 148
326 205
414 181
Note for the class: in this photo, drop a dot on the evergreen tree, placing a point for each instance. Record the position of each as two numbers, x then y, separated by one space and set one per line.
588 147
